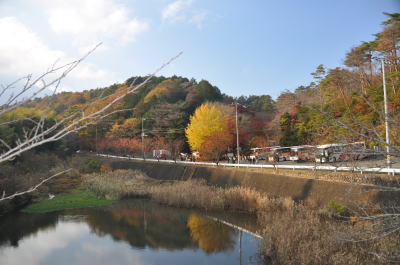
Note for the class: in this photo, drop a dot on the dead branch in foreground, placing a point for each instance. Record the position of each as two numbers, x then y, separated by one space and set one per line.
32 189
40 132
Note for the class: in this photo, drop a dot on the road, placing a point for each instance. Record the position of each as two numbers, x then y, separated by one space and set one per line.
376 163
366 165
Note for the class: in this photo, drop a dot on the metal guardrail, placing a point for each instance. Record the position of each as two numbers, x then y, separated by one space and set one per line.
391 171
234 226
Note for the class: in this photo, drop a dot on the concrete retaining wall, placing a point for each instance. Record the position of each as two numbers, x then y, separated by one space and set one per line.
298 188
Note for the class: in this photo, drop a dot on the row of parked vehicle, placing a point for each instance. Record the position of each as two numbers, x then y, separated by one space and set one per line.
307 153
304 153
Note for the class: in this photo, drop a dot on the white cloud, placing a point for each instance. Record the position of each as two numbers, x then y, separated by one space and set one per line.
179 11
174 11
23 52
198 18
90 21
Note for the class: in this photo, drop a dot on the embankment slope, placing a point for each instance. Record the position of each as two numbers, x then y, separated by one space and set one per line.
273 183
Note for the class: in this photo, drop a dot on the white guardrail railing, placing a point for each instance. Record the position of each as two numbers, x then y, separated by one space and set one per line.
391 171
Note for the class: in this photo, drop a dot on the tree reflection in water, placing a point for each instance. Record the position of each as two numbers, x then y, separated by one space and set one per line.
77 235
150 225
16 226
142 224
210 235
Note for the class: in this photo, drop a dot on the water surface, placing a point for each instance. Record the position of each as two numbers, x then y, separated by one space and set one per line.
128 232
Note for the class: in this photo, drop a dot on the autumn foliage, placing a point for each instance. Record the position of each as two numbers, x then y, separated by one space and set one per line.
215 145
126 129
133 146
206 121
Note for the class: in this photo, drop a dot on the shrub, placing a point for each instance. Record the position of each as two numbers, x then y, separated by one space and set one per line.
90 166
105 168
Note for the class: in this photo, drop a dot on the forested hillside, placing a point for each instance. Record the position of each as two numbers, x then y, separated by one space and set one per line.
346 103
312 114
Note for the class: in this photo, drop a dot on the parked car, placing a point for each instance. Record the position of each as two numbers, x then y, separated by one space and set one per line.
161 154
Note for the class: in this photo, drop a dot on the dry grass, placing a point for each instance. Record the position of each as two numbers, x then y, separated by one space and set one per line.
188 194
304 236
119 184
197 194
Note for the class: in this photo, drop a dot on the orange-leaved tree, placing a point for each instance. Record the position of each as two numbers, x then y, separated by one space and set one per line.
215 145
127 129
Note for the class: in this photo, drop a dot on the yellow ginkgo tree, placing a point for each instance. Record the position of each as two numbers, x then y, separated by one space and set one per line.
206 121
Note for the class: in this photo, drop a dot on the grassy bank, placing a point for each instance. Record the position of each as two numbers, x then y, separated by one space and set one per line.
76 199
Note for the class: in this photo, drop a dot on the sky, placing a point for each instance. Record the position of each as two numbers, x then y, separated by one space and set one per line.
249 47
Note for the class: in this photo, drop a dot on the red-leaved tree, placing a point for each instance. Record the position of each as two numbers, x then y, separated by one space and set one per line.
215 145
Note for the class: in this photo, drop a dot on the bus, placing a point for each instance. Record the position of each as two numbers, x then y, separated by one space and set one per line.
302 153
340 152
279 154
261 153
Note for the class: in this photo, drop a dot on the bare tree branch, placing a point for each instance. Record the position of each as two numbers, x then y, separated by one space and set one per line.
70 123
41 133
32 189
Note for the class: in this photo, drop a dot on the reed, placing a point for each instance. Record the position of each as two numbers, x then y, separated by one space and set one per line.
193 193
301 235
189 194
119 184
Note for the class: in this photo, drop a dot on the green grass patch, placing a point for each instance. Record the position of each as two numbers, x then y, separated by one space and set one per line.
337 208
77 199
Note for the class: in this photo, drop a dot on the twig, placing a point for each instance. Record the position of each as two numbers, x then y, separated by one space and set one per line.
32 189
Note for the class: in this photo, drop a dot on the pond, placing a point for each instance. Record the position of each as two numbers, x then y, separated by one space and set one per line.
128 232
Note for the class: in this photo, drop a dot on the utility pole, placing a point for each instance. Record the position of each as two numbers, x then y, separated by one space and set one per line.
237 136
240 247
96 140
386 116
144 157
